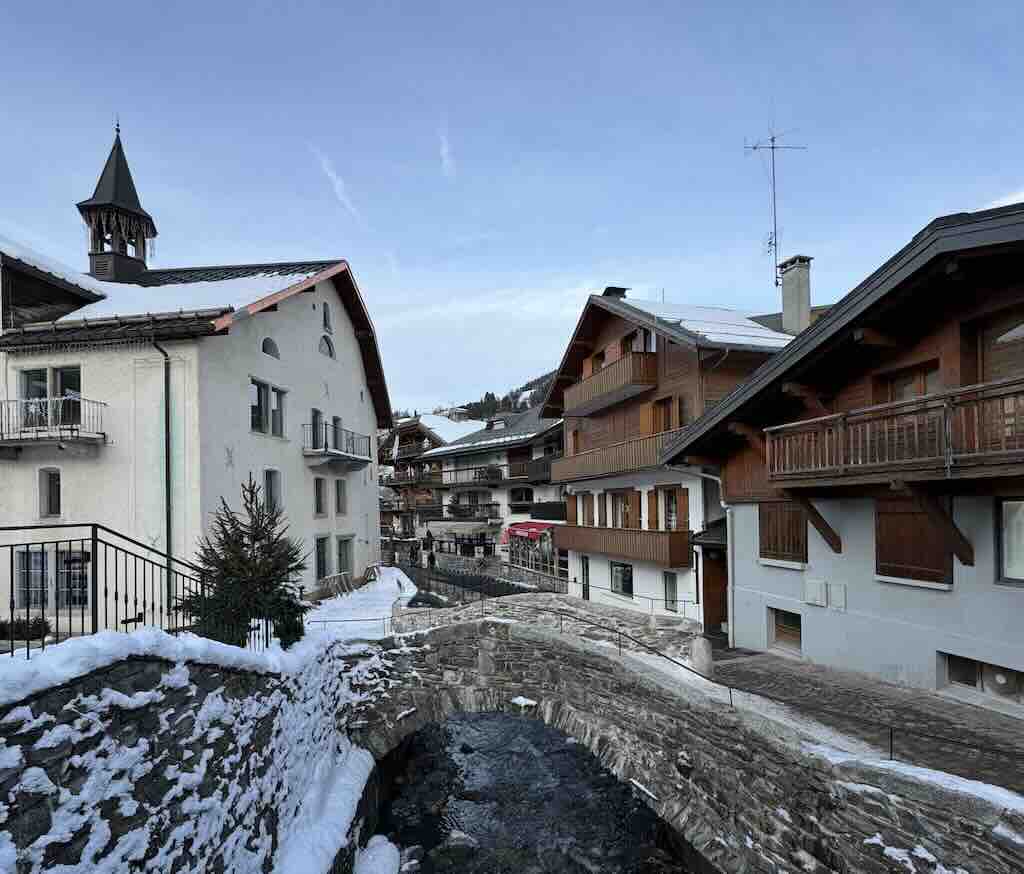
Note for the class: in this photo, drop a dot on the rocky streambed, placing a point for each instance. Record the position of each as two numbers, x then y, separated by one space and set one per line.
498 794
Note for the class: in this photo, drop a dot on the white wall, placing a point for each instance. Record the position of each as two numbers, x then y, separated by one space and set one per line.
892 630
231 451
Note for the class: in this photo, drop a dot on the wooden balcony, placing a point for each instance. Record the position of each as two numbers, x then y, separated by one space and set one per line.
411 478
962 433
666 548
630 455
632 374
489 475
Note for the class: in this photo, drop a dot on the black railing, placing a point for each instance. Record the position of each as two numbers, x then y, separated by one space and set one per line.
330 438
489 512
64 418
551 511
487 474
538 470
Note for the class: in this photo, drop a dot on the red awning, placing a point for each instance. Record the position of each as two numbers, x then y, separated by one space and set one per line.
533 530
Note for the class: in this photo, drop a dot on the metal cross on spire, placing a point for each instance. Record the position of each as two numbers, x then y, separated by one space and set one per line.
772 145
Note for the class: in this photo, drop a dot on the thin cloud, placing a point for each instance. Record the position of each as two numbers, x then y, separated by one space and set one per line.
338 184
1006 200
447 158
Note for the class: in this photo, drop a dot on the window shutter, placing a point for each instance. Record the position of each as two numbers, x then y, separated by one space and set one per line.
906 544
647 419
588 509
634 509
682 509
588 367
570 509
681 411
652 510
602 510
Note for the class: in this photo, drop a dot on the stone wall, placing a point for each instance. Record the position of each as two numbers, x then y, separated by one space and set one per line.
151 765
746 794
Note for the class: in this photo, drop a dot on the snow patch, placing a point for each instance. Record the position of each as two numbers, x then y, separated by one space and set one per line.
520 701
379 856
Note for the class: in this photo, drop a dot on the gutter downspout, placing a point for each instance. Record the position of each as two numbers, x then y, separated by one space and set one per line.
730 528
167 472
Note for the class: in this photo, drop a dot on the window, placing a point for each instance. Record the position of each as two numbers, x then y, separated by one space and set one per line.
345 555
340 497
326 347
622 579
49 492
67 385
270 348
994 680
272 489
521 496
786 630
327 318
913 382
319 497
277 412
671 591
321 557
624 511
259 406
1010 530
316 419
337 438
663 415
671 510
72 579
782 530
34 390
907 545
32 580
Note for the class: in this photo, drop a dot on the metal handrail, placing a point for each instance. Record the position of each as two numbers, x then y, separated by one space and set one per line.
31 416
329 438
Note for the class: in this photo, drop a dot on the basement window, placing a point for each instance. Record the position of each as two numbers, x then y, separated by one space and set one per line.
786 630
994 681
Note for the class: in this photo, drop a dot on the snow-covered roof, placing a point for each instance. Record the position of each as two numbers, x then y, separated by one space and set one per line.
716 325
448 430
21 252
520 428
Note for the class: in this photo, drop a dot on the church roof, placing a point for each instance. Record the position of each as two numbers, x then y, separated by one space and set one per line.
116 186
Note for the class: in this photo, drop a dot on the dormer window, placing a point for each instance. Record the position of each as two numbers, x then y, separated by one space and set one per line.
326 347
270 348
327 319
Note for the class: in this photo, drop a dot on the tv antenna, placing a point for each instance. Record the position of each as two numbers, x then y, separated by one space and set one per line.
771 145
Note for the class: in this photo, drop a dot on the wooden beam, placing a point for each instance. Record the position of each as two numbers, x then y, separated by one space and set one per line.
941 520
810 397
701 461
871 337
754 437
820 523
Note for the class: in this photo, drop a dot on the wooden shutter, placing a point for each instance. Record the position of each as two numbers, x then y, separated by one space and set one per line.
634 509
782 531
602 510
570 509
588 509
682 509
907 545
588 367
652 510
647 419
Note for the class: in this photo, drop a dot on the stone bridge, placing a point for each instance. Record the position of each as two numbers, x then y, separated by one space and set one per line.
745 793
172 760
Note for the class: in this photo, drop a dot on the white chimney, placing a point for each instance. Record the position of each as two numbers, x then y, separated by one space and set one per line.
796 293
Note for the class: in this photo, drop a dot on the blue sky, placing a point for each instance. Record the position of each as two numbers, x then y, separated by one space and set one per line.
484 166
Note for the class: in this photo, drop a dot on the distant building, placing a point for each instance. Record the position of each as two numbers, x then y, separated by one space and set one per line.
264 370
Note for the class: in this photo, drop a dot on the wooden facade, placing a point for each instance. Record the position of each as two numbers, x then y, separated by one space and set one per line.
666 548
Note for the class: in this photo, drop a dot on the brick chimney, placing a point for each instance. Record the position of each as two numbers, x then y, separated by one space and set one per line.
796 293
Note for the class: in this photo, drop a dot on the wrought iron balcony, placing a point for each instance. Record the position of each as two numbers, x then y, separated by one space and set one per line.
633 373
666 548
624 457
51 420
325 444
954 433
488 475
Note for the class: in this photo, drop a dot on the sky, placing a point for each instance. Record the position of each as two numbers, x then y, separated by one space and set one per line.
484 167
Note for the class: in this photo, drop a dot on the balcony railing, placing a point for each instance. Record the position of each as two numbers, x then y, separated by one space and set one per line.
552 511
630 455
411 477
490 474
946 433
490 512
539 469
666 548
410 450
329 439
632 374
51 419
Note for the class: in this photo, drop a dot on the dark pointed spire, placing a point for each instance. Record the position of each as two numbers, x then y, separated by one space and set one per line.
115 186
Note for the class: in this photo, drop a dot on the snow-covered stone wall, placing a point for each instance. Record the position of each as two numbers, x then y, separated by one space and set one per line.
171 764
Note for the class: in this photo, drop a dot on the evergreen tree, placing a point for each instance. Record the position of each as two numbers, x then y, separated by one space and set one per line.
248 564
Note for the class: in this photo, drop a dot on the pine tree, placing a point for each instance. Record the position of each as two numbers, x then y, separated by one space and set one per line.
248 564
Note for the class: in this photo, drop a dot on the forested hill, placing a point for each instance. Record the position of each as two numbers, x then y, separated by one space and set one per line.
527 395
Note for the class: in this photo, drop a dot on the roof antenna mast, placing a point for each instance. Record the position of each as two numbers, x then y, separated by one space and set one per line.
771 145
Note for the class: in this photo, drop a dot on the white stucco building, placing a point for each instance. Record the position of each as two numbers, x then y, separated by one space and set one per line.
264 370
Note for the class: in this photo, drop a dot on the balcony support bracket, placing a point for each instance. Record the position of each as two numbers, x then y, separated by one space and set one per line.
941 520
820 523
809 396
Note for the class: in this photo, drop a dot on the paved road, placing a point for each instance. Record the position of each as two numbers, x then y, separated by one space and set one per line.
855 698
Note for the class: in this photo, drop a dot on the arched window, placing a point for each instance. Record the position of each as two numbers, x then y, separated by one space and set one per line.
326 347
327 318
270 348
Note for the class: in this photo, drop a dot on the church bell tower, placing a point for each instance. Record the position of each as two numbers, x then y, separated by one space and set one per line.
119 227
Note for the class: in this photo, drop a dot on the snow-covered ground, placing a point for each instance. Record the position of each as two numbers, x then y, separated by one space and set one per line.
365 613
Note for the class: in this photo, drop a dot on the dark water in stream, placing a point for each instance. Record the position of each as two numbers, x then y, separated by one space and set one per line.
495 794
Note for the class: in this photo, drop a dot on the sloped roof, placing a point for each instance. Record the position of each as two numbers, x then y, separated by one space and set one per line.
519 428
442 427
116 186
